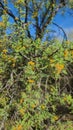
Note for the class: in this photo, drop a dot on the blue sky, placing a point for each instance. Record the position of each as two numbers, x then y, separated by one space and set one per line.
65 21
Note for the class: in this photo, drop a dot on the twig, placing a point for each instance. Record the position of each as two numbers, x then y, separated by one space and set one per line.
65 36
24 56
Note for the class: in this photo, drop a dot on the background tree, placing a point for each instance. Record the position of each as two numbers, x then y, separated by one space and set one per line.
36 14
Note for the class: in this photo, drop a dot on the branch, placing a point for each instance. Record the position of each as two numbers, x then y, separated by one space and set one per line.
26 18
53 53
65 36
9 12
24 56
52 14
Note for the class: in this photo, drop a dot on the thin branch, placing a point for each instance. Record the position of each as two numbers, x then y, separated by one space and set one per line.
52 14
65 36
25 57
9 12
26 18
53 53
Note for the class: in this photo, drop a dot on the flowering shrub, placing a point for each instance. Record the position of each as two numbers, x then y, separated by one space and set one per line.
32 92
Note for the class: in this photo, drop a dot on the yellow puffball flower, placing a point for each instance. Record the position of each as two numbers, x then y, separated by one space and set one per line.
65 99
31 81
2 24
19 1
21 100
13 60
13 65
4 56
1 45
21 111
67 42
72 52
4 12
53 5
51 89
66 53
5 51
33 106
19 127
51 60
1 71
42 106
55 118
24 47
34 14
9 59
59 67
31 63
16 18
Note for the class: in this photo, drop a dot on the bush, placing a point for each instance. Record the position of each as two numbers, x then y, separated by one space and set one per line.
32 73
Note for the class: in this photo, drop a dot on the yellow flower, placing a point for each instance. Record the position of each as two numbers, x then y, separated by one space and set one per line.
23 47
14 128
4 12
67 42
0 46
59 67
66 53
3 101
51 60
21 111
42 106
34 14
4 56
33 106
55 118
13 60
21 101
31 63
13 65
31 81
19 127
5 51
65 99
51 89
1 71
53 5
1 41
2 24
72 52
19 1
16 18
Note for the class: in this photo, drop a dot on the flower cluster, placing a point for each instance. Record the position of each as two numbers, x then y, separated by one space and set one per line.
31 81
19 127
59 67
66 53
31 63
2 24
5 51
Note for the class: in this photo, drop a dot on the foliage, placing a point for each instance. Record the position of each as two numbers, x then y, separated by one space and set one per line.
36 79
31 95
68 126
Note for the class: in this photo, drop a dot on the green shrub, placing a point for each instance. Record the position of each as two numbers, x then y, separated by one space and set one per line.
30 88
